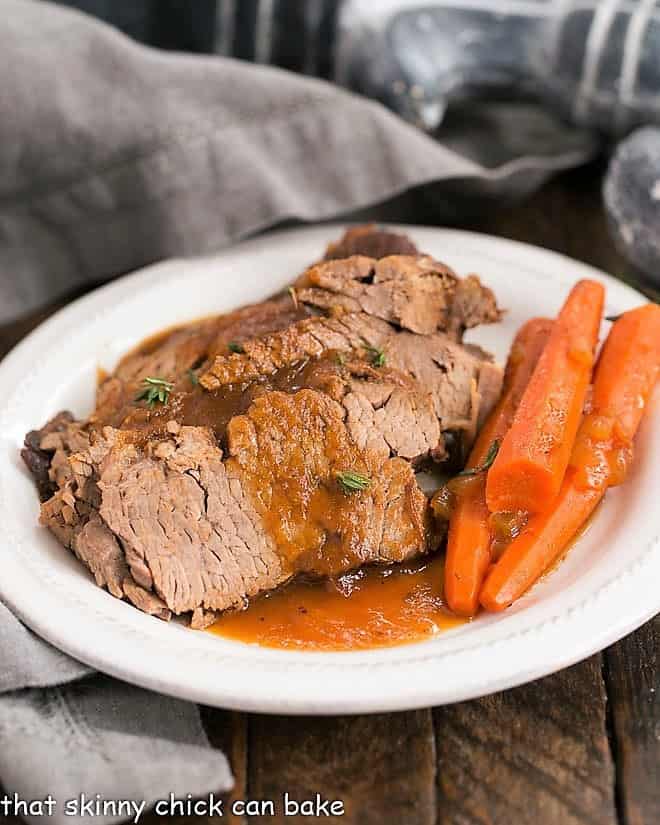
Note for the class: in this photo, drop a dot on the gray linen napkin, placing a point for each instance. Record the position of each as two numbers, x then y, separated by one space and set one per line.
112 156
65 735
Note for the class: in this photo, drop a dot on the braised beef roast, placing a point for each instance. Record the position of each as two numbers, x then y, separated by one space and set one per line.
236 481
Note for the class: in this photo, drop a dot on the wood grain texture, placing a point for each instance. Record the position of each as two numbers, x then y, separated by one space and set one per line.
382 766
535 755
632 674
228 730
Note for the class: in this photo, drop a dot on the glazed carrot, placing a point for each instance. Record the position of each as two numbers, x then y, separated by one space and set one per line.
468 543
624 379
532 460
633 345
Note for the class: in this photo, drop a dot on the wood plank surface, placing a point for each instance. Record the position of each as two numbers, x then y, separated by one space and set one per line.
382 767
228 730
632 674
533 755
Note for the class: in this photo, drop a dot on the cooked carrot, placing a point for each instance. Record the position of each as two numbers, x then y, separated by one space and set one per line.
468 543
633 346
624 379
532 460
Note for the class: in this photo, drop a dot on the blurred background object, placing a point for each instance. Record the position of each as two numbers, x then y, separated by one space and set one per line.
597 62
632 200
521 87
299 35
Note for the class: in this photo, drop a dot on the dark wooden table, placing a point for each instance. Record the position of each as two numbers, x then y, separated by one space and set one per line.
580 747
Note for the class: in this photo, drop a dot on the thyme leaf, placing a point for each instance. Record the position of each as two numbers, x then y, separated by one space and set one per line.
352 482
482 468
194 379
155 391
377 355
232 346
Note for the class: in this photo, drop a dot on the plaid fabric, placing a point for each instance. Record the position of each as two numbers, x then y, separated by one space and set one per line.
295 34
595 61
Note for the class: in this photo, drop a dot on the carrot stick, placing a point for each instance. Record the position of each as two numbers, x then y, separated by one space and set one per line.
624 379
468 543
632 345
534 454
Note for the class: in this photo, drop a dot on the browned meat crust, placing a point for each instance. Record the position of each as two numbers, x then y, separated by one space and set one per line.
371 241
415 293
37 459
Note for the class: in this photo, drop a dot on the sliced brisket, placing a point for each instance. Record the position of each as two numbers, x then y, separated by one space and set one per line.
172 526
232 486
430 383
71 513
413 292
371 241
38 459
288 450
174 354
306 339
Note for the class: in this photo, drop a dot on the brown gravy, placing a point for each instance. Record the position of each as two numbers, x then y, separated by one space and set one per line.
372 607
195 406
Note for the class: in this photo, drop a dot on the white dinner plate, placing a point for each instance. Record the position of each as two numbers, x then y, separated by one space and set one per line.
606 587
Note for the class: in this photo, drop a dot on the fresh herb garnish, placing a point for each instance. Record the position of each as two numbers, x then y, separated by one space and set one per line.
340 358
352 482
192 375
232 346
294 297
377 355
490 457
155 391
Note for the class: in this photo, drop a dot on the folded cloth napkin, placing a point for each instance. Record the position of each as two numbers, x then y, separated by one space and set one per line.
113 155
66 732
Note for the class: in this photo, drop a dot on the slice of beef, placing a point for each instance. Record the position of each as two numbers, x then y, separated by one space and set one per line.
71 513
258 319
232 486
288 450
416 293
306 339
37 459
177 527
371 241
188 531
447 392
389 413
175 353
431 383
472 304
412 292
